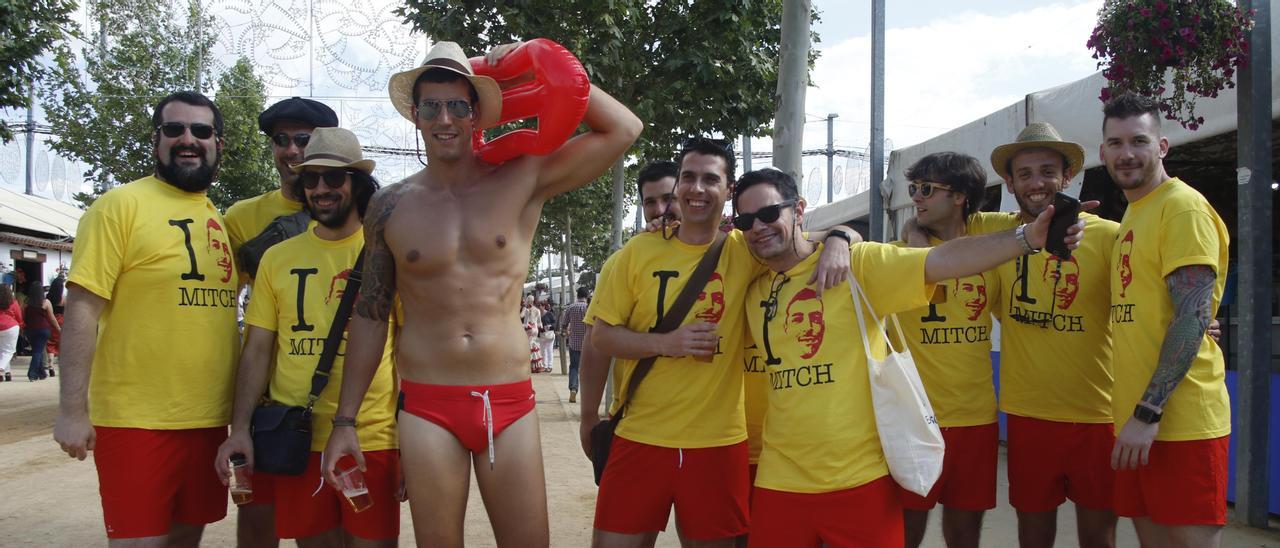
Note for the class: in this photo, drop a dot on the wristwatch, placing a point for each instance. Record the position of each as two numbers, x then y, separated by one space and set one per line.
1147 414
344 421
1020 234
840 234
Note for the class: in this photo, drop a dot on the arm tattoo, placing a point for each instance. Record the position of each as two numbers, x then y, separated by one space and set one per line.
1191 288
379 289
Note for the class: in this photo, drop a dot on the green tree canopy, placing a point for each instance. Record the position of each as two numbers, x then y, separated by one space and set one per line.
247 169
139 53
29 29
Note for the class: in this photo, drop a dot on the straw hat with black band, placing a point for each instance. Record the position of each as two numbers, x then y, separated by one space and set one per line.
1037 135
447 56
334 147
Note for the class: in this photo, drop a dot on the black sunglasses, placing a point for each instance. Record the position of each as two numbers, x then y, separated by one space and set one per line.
282 139
458 108
690 143
173 130
333 178
926 188
766 214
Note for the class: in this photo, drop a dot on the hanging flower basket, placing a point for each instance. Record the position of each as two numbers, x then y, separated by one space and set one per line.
1198 43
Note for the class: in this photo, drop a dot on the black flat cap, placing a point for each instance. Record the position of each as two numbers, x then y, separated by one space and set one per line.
297 109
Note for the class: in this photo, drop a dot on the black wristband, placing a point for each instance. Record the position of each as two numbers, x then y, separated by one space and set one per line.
839 234
344 421
1146 414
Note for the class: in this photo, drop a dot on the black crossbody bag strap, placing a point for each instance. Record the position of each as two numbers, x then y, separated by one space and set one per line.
675 316
331 343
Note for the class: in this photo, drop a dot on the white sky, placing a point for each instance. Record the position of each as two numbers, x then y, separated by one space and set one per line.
944 67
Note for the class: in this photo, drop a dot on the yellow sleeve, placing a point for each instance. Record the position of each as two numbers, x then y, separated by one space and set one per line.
892 276
613 300
986 222
263 307
1188 238
102 237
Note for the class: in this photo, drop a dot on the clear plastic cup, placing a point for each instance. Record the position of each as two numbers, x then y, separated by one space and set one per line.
351 479
241 485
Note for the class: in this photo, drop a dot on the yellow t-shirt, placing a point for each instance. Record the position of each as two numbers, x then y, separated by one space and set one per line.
951 344
683 402
1172 227
820 430
296 295
1055 345
755 391
247 218
167 339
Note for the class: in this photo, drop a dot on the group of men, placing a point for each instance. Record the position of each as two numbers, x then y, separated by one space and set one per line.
155 368
151 315
1084 409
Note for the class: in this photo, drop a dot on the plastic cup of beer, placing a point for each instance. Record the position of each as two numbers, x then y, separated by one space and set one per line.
353 485
241 480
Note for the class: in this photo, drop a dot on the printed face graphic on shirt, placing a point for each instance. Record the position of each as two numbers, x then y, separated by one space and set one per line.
1064 277
1126 270
337 285
218 246
804 321
710 303
973 291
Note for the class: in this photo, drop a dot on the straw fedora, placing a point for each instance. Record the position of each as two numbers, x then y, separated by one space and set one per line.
1037 135
447 56
334 147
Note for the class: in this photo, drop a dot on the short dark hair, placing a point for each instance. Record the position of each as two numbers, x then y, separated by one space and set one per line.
363 186
583 292
655 171
784 183
443 76
191 98
710 147
961 172
1128 105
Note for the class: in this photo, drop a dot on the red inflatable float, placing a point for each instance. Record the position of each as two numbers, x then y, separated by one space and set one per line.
557 97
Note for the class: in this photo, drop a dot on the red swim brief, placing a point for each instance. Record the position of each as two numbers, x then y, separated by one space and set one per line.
473 414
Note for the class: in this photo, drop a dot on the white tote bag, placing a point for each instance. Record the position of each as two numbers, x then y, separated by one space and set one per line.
909 432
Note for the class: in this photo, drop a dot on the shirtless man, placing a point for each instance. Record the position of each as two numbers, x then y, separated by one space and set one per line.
452 242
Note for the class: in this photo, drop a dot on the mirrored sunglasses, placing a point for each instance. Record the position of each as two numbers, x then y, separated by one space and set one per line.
458 108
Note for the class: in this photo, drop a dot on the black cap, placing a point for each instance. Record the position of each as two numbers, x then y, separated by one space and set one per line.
297 109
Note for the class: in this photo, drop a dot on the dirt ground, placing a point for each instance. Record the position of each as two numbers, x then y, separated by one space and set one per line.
48 499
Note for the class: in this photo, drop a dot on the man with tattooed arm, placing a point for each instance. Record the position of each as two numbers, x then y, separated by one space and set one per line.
1170 405
452 243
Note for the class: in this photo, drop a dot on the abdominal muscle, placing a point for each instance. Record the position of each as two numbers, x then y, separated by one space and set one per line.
465 335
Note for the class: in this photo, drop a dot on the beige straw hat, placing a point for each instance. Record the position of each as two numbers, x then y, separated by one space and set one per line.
448 56
1037 135
334 147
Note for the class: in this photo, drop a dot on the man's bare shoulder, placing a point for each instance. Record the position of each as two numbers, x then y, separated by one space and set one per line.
384 201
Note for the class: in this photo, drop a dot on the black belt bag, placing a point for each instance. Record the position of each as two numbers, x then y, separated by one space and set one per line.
281 439
601 437
282 433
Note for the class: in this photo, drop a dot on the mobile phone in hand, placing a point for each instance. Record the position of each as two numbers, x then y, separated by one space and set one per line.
1066 211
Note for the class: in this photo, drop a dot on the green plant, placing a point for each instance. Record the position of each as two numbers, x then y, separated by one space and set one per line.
1199 43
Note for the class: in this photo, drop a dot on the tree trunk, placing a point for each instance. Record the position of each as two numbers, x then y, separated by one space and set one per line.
573 291
793 78
619 174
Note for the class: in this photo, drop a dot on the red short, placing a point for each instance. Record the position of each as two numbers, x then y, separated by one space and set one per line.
150 479
473 414
264 490
1050 462
968 480
305 509
751 481
1183 483
866 515
708 487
